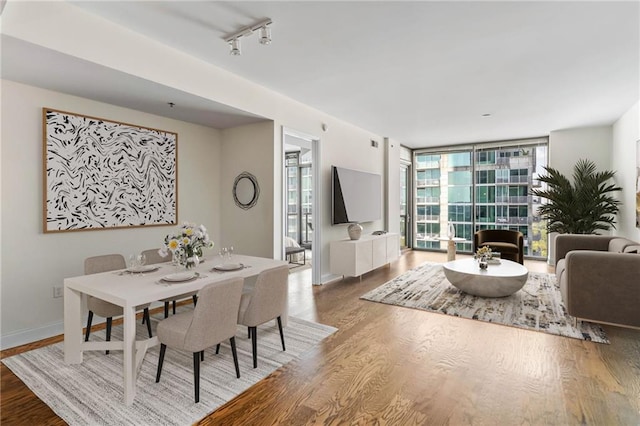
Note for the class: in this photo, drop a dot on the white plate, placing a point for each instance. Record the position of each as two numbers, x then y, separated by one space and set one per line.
229 267
179 277
143 268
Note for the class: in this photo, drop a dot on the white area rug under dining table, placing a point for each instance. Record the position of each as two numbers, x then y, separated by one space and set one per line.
91 393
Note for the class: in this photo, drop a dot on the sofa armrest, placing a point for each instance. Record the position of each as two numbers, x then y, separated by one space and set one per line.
603 286
567 242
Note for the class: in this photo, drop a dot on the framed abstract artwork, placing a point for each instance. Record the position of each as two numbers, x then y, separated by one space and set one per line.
102 174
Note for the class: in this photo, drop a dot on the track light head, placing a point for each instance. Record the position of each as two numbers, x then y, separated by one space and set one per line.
234 45
265 35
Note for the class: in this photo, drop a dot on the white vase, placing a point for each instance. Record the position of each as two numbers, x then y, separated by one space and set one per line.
192 262
355 231
451 231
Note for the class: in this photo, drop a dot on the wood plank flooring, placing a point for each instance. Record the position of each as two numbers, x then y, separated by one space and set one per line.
390 365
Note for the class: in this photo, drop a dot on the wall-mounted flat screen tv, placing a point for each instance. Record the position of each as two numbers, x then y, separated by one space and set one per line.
355 196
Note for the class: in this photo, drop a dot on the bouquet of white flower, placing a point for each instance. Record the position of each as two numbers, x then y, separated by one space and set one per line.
187 244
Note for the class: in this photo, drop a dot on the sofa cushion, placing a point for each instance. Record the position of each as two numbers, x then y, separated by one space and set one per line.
632 249
617 245
560 267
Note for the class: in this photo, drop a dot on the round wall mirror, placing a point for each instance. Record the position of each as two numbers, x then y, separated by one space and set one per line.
246 190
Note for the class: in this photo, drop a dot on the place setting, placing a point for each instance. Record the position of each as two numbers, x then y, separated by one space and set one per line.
137 265
180 277
226 254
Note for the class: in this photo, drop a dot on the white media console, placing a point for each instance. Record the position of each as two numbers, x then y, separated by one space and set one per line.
353 258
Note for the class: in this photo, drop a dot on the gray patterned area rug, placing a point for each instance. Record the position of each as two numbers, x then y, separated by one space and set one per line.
538 306
91 393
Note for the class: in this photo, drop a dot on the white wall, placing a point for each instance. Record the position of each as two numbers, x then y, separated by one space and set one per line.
33 262
350 149
567 146
626 133
248 149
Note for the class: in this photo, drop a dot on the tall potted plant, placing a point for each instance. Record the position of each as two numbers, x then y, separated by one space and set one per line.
583 207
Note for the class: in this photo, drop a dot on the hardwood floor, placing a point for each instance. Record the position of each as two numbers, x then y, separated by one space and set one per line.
400 366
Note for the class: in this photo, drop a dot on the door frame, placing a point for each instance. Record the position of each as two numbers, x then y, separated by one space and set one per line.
316 243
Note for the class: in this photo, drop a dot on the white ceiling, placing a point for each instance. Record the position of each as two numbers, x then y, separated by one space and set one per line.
422 73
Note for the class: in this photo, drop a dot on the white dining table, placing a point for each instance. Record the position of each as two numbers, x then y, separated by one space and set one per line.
130 290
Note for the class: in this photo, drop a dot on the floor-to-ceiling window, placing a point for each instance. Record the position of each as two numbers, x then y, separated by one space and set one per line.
483 186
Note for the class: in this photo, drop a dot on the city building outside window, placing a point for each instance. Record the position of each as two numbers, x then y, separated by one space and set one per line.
482 186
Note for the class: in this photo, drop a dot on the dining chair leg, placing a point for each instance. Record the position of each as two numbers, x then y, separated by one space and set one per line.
174 306
217 348
195 299
109 323
249 332
254 345
88 330
281 333
201 355
166 309
163 349
196 375
145 315
232 340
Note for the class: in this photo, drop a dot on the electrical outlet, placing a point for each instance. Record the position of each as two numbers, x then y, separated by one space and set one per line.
57 291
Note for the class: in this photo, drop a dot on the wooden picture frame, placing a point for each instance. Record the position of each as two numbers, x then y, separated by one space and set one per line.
638 183
102 174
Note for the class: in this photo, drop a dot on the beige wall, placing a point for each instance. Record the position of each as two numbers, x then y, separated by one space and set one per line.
626 133
33 262
248 149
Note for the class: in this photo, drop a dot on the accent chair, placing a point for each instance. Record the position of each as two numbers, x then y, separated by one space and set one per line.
510 244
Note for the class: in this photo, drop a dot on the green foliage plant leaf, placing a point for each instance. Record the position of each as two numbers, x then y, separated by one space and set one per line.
583 207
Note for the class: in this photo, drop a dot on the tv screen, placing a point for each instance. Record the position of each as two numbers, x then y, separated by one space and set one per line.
356 196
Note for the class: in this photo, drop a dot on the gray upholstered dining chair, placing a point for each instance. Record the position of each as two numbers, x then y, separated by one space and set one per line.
152 256
267 301
211 321
105 263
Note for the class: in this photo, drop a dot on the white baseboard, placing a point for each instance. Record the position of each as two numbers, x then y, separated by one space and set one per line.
18 338
31 335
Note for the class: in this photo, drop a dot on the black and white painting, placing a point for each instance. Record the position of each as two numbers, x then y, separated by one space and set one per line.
101 174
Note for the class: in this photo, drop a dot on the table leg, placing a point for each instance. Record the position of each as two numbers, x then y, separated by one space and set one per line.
451 250
72 326
129 354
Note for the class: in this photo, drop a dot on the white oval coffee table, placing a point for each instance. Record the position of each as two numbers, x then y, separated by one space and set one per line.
499 280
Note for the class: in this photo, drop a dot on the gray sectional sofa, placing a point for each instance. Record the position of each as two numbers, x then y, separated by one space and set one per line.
599 278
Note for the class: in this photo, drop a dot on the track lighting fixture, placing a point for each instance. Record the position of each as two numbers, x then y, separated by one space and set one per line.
264 36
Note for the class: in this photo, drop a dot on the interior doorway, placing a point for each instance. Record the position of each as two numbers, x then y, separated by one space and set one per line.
300 210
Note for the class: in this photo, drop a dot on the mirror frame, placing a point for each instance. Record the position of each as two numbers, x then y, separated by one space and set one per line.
256 190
